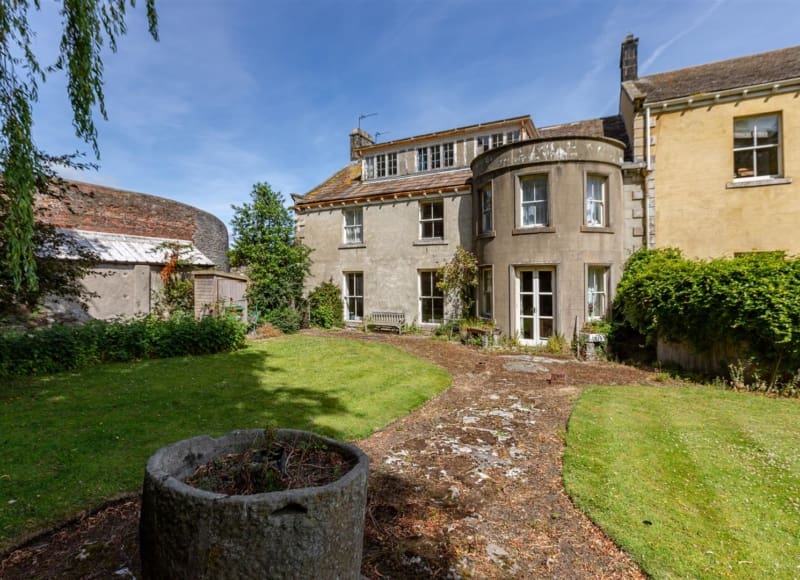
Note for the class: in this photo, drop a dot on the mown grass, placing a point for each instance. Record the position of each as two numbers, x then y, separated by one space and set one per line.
69 440
693 482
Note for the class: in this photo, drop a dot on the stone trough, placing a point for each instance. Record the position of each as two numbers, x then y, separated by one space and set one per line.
312 532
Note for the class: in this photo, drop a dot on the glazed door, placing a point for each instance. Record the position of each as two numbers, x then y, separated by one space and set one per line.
535 304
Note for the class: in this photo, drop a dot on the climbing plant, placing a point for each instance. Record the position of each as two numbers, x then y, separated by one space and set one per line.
458 280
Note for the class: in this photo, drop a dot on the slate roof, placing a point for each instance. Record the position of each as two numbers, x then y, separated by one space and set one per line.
746 71
612 127
127 249
346 185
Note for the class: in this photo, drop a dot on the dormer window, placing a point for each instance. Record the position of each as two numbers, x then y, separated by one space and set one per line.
496 140
422 159
436 157
382 165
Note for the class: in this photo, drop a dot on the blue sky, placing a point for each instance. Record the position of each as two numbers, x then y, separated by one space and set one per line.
242 91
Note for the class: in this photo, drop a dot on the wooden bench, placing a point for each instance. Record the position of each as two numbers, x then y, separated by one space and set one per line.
385 320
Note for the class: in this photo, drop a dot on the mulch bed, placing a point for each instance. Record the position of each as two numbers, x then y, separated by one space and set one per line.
468 485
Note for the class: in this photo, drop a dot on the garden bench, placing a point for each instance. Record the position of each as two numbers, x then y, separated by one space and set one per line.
385 320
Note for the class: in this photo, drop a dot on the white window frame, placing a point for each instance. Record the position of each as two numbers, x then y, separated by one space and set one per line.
448 154
353 301
486 209
597 273
353 231
369 168
537 202
594 203
751 173
538 296
430 221
422 159
428 291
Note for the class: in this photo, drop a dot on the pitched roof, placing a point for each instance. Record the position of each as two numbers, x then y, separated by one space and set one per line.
346 185
612 127
746 71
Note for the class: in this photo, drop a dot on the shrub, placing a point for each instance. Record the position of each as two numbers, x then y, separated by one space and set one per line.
287 319
62 348
326 306
749 303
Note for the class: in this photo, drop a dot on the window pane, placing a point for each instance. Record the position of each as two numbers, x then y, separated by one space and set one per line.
426 283
427 310
546 305
435 290
527 304
437 210
528 215
527 328
438 229
545 281
545 327
767 161
526 281
743 163
438 310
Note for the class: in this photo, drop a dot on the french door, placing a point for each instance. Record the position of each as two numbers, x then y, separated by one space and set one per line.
535 304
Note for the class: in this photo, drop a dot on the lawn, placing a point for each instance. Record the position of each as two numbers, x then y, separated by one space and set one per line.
67 441
692 481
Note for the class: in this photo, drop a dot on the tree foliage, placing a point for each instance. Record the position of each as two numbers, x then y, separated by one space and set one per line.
749 302
86 26
56 277
265 244
458 280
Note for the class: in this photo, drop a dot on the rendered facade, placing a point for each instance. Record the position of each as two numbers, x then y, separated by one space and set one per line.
701 159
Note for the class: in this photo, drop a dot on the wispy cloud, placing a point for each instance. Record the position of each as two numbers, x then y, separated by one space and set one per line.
645 66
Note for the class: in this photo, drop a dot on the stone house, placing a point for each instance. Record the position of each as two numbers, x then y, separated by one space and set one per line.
552 213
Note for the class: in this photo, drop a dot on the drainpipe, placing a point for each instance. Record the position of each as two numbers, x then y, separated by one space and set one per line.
648 168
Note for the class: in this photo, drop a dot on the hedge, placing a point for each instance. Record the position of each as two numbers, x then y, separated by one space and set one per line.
62 348
751 302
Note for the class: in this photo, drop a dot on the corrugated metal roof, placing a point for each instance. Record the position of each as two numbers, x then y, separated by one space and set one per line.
127 249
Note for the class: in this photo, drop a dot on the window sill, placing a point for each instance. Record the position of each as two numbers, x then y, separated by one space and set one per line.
483 235
533 230
737 183
597 230
431 242
352 246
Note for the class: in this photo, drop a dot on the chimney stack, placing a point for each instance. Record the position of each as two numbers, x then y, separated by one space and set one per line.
629 59
358 139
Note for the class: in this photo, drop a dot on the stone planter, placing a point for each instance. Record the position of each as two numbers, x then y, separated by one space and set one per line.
591 344
312 532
